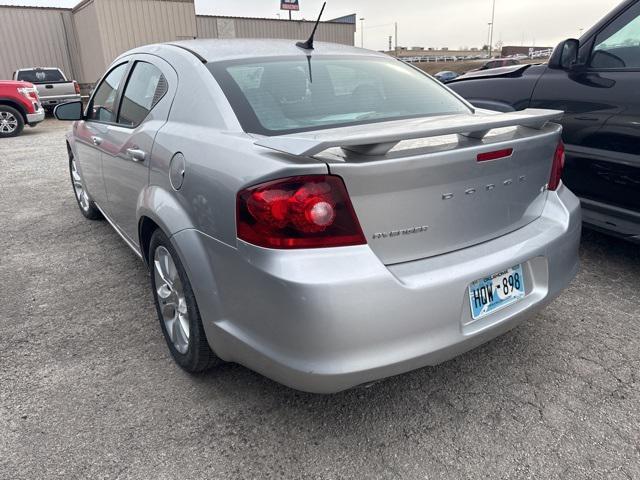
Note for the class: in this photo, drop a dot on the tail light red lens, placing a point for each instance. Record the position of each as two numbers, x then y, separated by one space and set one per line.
30 93
77 87
311 211
495 155
557 167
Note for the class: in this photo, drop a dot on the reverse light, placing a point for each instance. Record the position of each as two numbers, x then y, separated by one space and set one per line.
311 211
557 167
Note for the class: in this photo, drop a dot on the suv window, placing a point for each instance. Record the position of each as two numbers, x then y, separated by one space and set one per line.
618 45
145 88
41 75
103 107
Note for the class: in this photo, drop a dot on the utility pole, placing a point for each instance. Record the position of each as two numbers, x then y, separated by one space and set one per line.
361 32
493 18
396 25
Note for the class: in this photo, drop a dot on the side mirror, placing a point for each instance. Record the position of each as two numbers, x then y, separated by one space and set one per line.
69 111
565 55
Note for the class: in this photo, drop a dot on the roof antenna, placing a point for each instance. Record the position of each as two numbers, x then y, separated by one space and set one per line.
308 45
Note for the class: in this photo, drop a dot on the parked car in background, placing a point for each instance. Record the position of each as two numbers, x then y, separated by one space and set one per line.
497 63
53 86
305 229
596 81
19 106
446 76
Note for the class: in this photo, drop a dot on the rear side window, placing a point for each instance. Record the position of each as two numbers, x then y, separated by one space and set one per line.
103 104
291 94
44 75
145 88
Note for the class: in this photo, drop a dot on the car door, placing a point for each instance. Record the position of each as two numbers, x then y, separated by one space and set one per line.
89 133
128 144
602 119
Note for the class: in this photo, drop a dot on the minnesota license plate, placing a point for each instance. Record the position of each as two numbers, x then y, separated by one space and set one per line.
495 292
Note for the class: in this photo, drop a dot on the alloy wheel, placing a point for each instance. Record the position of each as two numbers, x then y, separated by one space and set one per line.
8 122
170 296
78 188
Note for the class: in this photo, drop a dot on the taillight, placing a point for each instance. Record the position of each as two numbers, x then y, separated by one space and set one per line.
30 93
309 211
557 167
77 87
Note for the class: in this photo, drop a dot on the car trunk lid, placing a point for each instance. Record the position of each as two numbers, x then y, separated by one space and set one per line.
419 190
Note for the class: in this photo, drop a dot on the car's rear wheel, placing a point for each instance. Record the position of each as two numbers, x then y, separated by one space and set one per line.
86 205
11 122
177 308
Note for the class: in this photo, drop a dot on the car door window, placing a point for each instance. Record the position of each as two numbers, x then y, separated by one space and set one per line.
618 45
103 103
145 88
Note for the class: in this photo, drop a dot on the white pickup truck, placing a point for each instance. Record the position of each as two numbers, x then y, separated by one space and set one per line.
52 84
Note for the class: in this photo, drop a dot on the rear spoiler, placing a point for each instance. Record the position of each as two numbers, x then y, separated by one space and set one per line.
379 138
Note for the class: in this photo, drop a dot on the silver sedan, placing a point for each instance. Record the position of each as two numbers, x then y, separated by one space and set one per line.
325 215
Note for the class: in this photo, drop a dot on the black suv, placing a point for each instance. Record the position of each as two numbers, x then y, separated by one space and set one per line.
596 81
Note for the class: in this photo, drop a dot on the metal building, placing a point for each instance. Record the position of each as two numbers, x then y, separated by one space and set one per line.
242 27
84 40
36 37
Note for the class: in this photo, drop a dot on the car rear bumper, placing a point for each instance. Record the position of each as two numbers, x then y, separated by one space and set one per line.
58 100
35 118
324 321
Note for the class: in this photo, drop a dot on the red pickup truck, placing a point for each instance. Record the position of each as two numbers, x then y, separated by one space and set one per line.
19 106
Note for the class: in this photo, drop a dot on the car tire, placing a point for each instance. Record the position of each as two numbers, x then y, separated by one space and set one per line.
177 309
11 122
87 206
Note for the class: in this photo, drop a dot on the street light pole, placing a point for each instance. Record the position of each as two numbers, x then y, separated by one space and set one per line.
493 18
361 32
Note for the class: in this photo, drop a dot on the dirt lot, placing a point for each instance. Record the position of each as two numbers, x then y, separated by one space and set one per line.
88 390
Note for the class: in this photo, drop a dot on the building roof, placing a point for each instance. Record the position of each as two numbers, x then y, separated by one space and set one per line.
36 7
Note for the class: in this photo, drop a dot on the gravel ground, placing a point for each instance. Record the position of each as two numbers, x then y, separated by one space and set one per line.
88 389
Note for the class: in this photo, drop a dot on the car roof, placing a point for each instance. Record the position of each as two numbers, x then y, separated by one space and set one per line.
215 50
26 69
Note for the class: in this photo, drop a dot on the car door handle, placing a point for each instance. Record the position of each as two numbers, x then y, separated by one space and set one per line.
96 140
136 154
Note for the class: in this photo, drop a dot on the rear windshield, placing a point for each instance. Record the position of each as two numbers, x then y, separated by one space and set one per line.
294 94
47 75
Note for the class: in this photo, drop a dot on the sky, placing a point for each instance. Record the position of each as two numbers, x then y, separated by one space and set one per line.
427 23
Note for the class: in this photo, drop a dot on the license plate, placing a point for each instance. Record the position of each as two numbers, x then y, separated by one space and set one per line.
495 292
